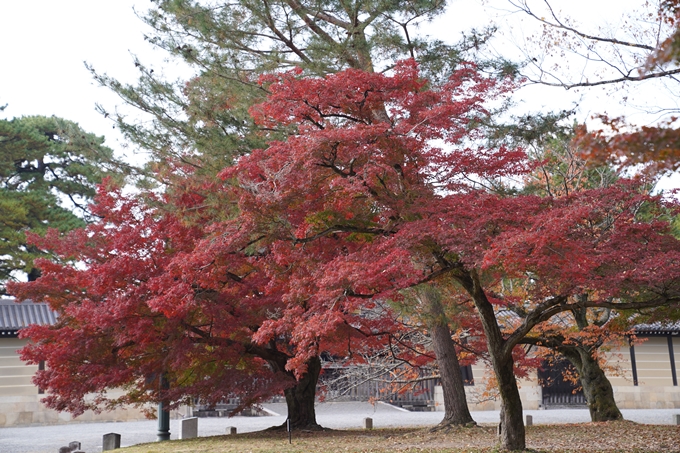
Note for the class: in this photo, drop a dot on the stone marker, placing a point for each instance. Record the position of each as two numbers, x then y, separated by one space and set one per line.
75 445
111 441
676 419
368 423
530 420
64 450
231 430
188 428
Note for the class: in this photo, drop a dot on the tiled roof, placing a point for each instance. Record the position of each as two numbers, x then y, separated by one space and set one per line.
14 316
658 328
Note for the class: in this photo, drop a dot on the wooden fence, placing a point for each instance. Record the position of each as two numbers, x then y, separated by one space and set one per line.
366 384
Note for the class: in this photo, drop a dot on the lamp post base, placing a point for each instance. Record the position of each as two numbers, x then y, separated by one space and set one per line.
163 423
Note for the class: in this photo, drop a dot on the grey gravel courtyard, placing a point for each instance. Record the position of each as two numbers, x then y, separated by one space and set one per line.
48 439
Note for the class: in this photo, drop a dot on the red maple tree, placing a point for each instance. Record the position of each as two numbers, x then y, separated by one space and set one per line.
129 314
383 184
378 169
410 196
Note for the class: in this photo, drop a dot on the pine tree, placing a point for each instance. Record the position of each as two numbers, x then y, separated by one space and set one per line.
49 168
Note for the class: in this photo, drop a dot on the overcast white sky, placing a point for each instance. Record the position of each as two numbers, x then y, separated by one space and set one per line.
45 42
44 45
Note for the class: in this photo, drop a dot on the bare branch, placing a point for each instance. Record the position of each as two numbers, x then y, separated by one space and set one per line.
640 78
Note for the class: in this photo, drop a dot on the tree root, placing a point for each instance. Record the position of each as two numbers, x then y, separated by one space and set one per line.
296 427
448 426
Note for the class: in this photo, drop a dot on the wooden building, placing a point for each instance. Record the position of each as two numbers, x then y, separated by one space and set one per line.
15 375
649 369
19 397
646 377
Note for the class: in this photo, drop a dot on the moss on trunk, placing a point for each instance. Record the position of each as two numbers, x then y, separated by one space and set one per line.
597 390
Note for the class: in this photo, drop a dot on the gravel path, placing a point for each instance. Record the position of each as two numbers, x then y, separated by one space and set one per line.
48 439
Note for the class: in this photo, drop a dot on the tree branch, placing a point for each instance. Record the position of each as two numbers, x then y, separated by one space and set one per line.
640 78
524 7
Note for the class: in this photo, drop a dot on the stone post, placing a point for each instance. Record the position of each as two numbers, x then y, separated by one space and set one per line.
368 423
529 420
231 430
676 419
188 428
111 441
75 445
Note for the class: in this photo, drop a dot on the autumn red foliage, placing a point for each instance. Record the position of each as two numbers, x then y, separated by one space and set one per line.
384 183
128 314
414 211
242 301
654 148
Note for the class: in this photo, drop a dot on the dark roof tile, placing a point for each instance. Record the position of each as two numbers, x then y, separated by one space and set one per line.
14 316
658 328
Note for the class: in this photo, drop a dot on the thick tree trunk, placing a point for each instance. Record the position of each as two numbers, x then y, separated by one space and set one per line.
596 387
512 435
598 391
300 398
456 411
511 430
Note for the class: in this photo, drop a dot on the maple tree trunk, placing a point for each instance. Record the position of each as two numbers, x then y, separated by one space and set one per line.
512 434
599 393
596 387
456 411
511 430
300 398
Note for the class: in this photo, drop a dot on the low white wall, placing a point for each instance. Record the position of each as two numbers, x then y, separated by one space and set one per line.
28 410
626 396
647 397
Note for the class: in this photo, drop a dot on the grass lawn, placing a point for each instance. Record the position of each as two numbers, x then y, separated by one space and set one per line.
622 436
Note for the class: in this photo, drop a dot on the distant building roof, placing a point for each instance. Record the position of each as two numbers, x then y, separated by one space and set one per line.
658 328
14 316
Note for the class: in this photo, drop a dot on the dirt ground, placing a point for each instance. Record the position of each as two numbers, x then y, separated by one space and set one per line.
587 437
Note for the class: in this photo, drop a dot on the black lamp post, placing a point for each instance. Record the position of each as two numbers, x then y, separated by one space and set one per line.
163 413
